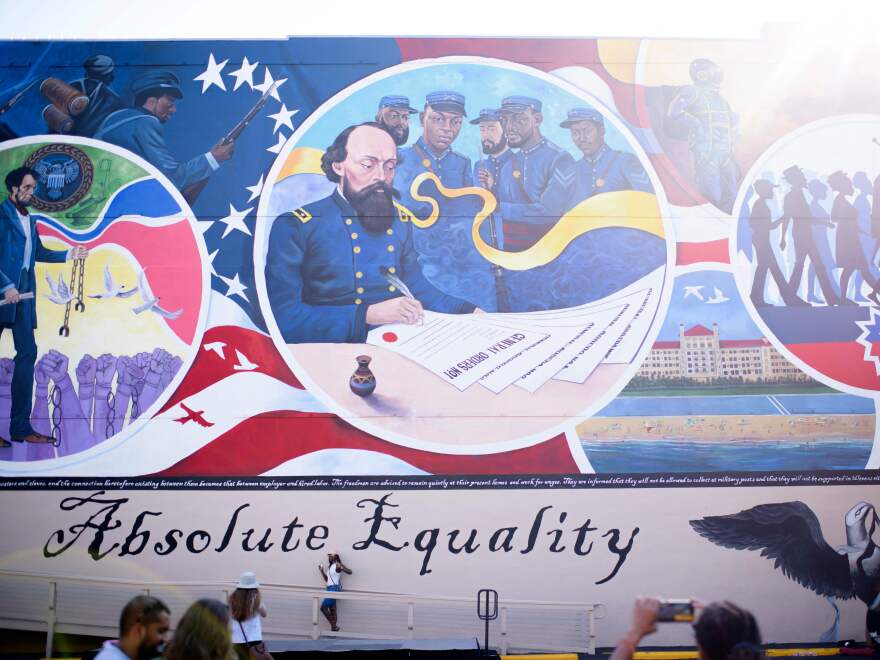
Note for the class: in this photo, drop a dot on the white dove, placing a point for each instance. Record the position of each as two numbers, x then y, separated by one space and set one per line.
693 291
244 364
110 288
717 297
60 295
151 302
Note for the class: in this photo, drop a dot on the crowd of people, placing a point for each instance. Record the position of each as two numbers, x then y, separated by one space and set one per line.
209 629
839 236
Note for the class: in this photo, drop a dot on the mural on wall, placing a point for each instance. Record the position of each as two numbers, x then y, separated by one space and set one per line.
448 257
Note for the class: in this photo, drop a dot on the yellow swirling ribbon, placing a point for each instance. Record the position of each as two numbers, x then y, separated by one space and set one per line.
620 209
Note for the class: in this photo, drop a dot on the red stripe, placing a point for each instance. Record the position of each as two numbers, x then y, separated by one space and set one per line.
265 441
843 361
209 368
692 253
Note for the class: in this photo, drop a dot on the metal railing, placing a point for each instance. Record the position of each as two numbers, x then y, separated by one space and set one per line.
77 604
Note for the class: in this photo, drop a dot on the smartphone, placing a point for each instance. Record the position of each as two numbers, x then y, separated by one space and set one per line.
678 610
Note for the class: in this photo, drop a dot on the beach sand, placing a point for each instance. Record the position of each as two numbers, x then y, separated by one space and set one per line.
709 428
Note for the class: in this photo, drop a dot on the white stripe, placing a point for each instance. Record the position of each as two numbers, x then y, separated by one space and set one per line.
776 404
334 462
698 224
224 311
162 442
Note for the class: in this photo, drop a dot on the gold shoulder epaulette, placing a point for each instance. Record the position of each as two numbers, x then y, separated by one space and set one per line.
303 215
403 213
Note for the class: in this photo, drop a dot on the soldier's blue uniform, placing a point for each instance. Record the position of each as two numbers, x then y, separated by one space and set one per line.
322 272
446 250
606 170
140 131
609 170
534 189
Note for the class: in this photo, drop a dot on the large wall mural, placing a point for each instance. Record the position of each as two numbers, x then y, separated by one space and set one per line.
464 264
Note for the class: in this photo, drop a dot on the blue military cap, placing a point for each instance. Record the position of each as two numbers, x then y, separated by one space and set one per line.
398 102
487 114
99 66
519 103
583 114
446 102
162 82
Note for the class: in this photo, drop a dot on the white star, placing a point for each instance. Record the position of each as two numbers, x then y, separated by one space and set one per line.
236 288
211 75
255 189
276 148
211 262
267 83
244 74
235 220
282 118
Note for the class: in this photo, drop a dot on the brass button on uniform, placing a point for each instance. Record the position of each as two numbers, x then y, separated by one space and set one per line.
354 235
357 301
392 288
348 221
360 289
389 231
391 248
356 249
359 275
392 269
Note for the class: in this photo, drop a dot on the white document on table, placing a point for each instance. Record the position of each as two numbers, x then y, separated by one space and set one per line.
459 349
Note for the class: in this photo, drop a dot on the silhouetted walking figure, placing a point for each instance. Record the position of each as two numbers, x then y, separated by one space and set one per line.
821 225
795 208
761 222
849 254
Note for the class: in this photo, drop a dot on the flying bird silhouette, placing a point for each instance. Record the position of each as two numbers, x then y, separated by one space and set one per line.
217 347
244 364
693 291
151 302
193 415
717 297
790 534
111 289
59 294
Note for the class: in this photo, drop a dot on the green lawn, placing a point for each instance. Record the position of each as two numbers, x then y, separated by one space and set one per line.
741 390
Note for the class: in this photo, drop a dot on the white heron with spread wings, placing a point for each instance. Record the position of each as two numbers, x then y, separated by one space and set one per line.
111 289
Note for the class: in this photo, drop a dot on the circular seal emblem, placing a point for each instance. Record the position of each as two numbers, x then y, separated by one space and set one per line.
65 175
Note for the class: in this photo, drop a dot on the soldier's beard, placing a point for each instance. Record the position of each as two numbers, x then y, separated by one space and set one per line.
491 148
399 133
374 205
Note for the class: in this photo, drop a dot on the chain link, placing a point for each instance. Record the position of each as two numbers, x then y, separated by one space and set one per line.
55 396
111 413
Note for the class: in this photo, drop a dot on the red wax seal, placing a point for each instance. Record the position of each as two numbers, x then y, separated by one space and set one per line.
390 337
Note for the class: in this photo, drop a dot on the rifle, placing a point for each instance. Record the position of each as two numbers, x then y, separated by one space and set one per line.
192 191
15 98
501 294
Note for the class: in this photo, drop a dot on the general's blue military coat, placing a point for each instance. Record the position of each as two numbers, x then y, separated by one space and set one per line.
12 244
139 131
322 272
534 189
607 171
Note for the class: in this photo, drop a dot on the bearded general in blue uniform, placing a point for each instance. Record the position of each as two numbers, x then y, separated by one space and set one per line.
140 129
327 262
602 169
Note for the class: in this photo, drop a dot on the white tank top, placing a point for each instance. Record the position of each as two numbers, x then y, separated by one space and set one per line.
253 630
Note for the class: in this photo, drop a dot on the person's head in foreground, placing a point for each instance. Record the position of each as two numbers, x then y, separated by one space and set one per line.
143 627
723 631
202 633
